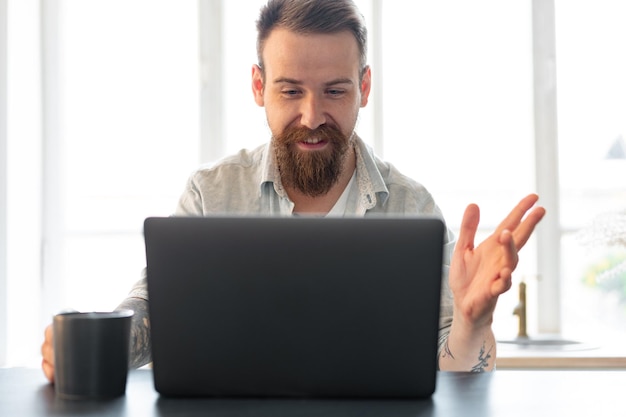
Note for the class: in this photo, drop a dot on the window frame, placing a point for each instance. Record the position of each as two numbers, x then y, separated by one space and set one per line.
549 231
3 178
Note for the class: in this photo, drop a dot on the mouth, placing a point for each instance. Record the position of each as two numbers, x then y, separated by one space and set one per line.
312 143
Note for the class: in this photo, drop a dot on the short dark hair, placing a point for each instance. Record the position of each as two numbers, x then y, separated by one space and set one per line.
312 16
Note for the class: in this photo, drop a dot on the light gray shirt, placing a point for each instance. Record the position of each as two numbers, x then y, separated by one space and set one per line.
249 183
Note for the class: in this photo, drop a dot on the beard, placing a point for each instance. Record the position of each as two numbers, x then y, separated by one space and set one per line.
313 173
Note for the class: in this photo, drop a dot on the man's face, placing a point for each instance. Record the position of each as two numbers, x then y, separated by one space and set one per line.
312 91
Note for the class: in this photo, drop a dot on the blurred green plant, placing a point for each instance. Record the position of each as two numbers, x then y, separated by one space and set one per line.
607 231
608 274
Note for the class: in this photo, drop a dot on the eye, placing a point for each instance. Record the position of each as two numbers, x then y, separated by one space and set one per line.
335 92
290 92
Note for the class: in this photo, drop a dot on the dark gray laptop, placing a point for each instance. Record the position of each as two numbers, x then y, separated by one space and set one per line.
294 307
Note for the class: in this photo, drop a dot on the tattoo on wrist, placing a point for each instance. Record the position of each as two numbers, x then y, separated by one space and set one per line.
446 351
483 359
140 346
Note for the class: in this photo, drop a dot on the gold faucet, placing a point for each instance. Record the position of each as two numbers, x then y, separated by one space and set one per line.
520 311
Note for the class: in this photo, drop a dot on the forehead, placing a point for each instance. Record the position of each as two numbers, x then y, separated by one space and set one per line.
310 56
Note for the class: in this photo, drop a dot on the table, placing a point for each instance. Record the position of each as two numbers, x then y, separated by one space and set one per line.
24 392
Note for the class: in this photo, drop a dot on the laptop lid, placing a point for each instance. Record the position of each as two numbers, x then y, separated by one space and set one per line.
294 307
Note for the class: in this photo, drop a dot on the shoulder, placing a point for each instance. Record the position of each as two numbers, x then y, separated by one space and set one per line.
230 184
404 191
244 161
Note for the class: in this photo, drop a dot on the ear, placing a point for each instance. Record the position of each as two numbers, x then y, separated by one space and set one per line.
366 85
257 85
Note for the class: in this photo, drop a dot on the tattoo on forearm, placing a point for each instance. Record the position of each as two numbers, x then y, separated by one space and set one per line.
446 351
140 345
483 359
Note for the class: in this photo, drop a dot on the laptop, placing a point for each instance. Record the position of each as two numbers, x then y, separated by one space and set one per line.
298 307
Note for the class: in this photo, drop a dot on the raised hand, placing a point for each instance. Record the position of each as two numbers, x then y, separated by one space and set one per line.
478 275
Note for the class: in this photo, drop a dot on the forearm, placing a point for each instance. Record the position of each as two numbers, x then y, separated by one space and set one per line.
140 345
468 349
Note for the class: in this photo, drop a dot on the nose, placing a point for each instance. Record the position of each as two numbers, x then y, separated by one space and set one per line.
312 113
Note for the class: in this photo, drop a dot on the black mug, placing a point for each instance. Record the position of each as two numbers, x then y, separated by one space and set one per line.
91 353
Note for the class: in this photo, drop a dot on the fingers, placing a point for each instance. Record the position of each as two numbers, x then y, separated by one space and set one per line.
503 283
47 353
47 348
515 216
522 229
469 225
510 251
525 229
48 371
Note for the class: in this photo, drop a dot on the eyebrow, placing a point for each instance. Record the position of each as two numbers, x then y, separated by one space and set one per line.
286 80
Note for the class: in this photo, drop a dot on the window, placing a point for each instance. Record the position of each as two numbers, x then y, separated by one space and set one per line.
457 110
592 159
127 137
127 110
23 191
121 133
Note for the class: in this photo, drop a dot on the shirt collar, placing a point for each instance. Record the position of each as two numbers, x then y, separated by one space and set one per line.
270 176
370 181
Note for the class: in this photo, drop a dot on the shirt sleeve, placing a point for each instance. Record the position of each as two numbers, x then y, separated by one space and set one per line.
190 202
447 305
140 288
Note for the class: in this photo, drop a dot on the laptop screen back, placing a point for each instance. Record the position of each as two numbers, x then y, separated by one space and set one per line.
294 307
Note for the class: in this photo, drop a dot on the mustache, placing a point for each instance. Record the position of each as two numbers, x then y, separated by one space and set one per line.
298 134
